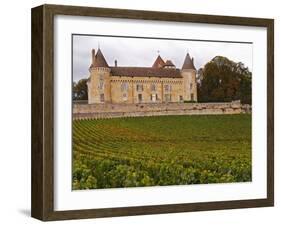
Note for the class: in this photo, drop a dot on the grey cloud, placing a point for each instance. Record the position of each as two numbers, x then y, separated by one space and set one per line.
143 52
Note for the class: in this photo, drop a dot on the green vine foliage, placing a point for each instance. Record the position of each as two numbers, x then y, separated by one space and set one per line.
166 150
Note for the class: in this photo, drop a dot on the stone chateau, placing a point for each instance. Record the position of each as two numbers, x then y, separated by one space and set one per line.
160 83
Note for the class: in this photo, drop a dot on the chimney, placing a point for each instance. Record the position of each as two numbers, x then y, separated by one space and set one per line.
115 62
93 55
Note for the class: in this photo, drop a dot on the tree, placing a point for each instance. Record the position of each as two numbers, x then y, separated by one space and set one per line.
223 80
80 90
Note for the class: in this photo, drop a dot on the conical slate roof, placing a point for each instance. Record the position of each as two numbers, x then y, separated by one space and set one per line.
158 63
99 60
188 63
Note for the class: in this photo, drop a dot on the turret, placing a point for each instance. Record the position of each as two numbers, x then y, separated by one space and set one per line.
188 72
99 81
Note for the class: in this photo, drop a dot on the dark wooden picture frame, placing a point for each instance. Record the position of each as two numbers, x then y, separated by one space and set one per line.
42 203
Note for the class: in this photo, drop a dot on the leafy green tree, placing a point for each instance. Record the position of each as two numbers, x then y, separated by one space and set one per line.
223 80
80 90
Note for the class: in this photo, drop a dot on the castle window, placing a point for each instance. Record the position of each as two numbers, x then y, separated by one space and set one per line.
124 86
102 97
101 85
139 98
125 97
168 97
153 87
181 98
101 82
139 87
191 85
153 97
168 88
192 97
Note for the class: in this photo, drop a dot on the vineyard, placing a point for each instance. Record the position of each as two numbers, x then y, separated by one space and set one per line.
163 150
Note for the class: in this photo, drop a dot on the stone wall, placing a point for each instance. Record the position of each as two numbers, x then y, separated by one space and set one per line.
117 95
95 111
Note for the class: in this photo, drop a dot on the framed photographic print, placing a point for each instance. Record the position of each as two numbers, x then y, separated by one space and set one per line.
141 112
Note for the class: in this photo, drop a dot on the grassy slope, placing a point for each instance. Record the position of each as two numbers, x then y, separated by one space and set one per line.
162 150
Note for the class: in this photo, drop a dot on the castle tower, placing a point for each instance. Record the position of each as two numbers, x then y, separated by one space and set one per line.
188 73
99 80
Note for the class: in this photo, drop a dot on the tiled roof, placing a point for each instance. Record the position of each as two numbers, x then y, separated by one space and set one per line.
158 69
159 62
99 60
169 63
188 63
146 72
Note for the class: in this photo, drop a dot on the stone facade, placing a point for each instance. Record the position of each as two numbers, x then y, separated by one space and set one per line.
96 111
161 83
152 90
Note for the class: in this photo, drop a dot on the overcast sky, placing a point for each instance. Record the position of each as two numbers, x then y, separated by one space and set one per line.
143 52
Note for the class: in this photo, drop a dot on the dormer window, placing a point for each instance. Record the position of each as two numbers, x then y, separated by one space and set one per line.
169 64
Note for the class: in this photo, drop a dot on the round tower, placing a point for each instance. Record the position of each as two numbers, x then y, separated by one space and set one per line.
99 80
188 73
